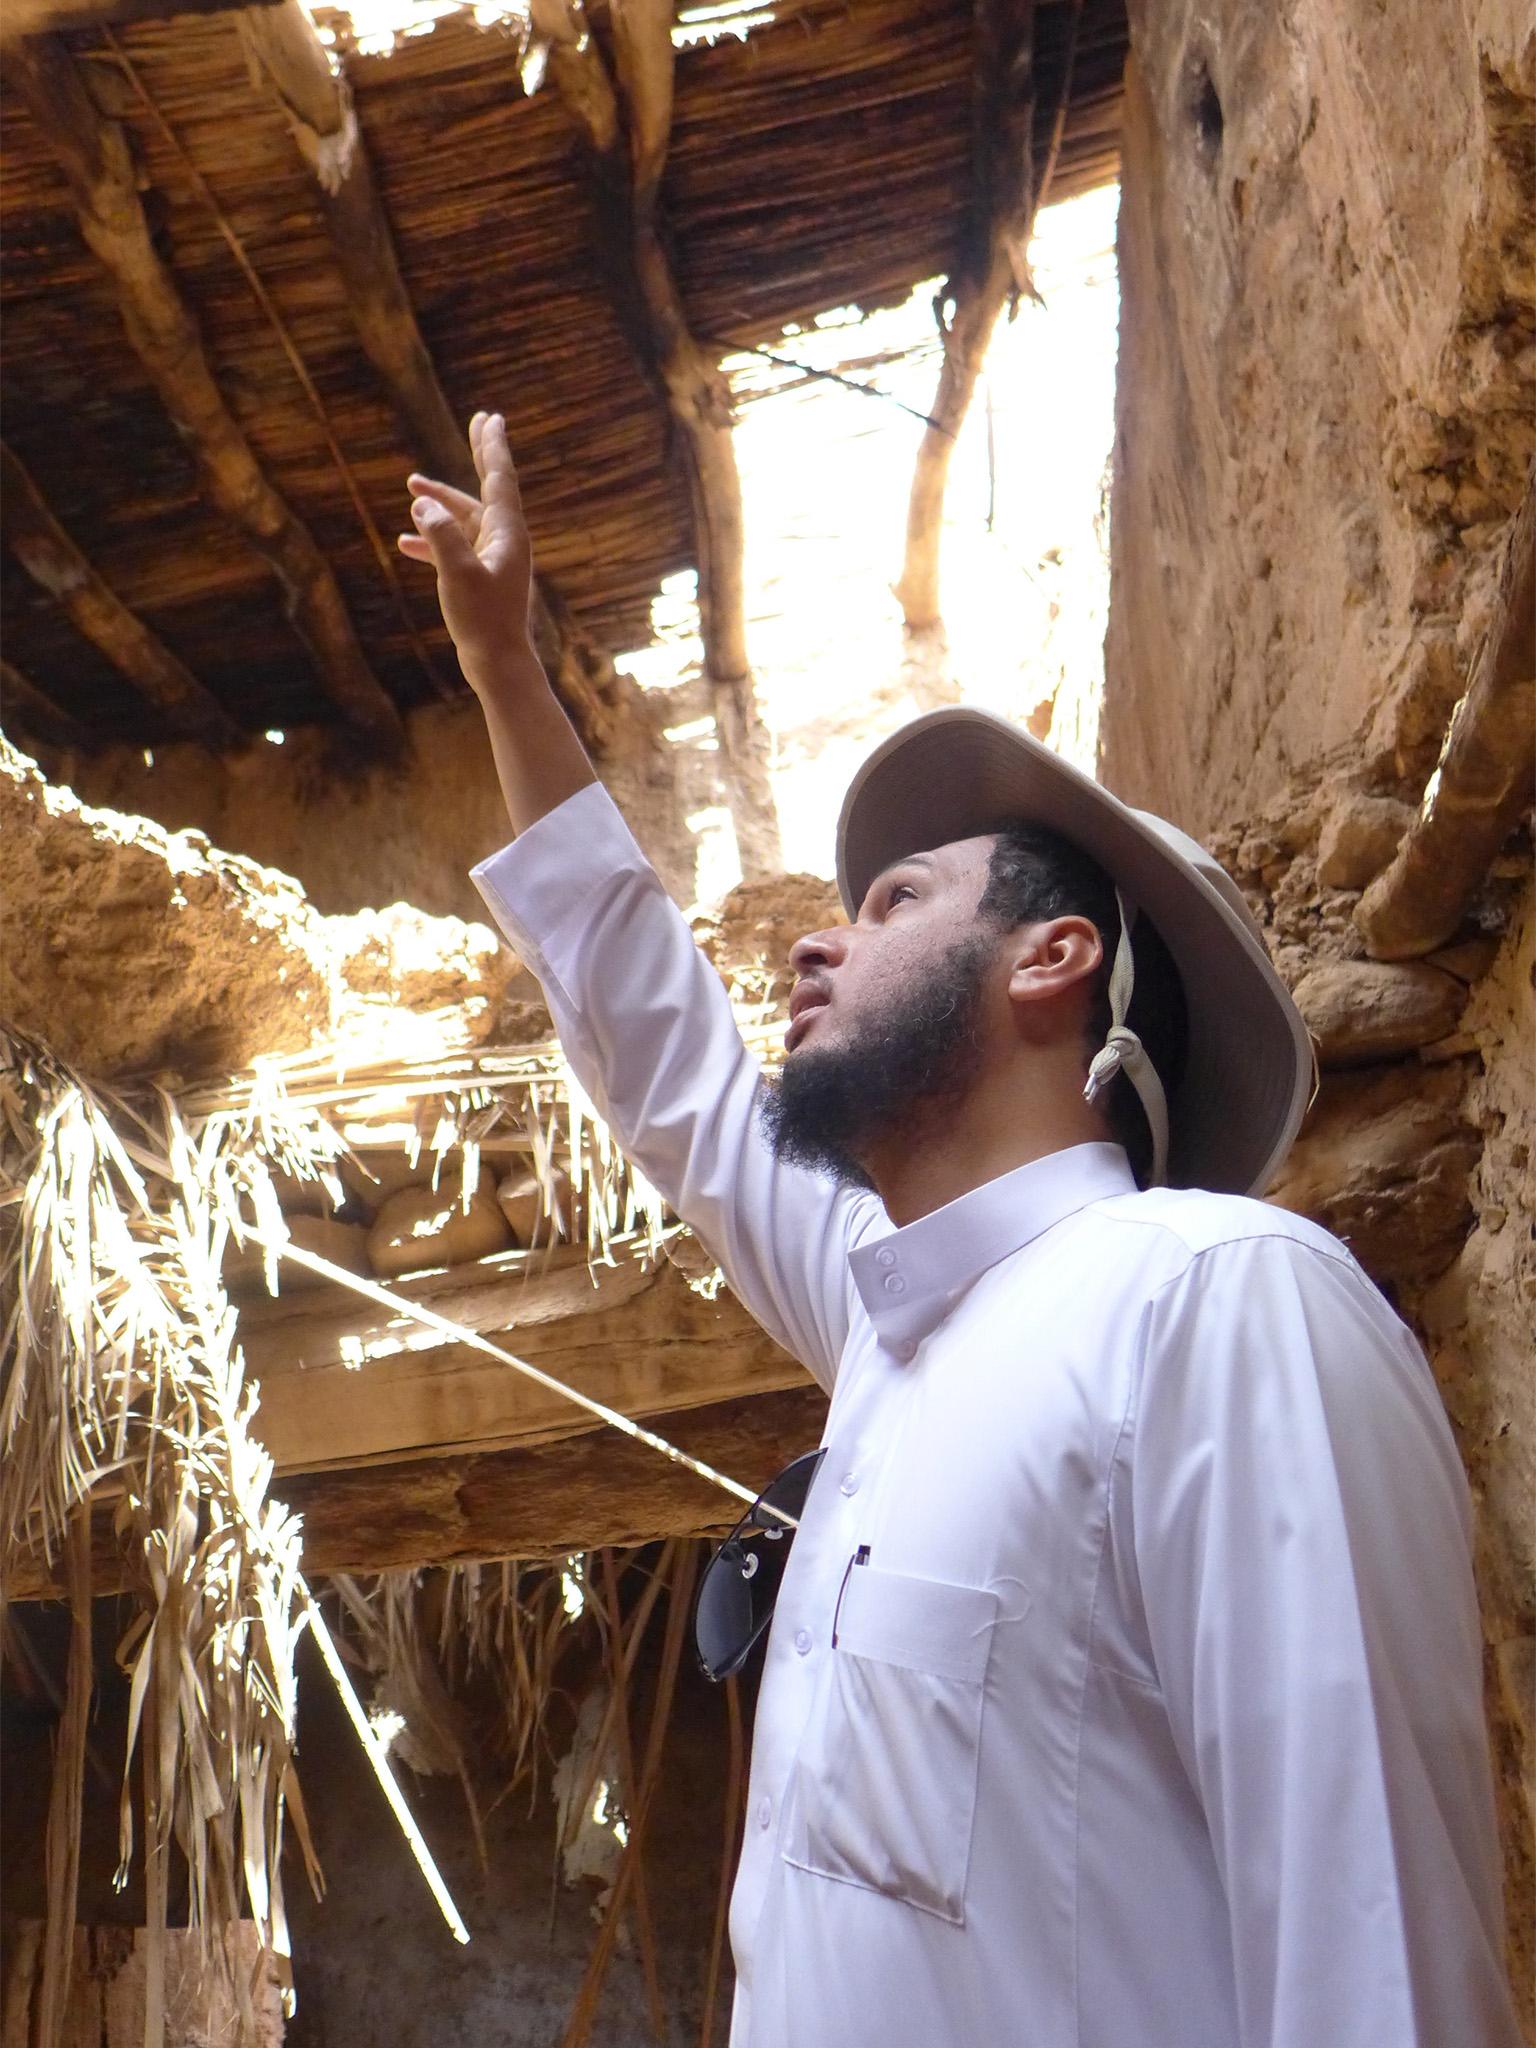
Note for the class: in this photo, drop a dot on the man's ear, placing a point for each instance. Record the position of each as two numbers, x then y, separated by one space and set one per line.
1051 962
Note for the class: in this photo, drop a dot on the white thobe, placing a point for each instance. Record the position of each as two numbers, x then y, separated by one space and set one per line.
1124 1688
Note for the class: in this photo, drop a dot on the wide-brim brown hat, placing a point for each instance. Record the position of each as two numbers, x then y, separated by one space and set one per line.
1249 1072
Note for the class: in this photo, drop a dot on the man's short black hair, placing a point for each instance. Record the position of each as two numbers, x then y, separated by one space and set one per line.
1035 875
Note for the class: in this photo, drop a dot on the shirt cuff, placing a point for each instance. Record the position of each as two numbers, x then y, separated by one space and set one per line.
550 871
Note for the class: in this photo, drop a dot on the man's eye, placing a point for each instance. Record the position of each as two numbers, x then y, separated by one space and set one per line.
898 891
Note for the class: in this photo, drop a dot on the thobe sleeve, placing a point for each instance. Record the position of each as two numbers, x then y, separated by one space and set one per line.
1301 1542
647 1027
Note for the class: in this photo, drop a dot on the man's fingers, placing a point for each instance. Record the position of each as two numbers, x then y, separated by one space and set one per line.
447 544
498 474
464 508
493 458
496 453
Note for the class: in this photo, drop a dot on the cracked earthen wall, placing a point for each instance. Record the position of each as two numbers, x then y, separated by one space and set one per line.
1325 423
357 835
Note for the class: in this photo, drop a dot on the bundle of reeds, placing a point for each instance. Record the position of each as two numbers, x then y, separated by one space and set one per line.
122 1374
429 1640
446 1114
120 1366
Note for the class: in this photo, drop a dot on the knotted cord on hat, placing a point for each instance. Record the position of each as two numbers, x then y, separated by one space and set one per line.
1123 1052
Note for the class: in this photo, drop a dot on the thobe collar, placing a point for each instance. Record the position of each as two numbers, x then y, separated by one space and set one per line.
910 1279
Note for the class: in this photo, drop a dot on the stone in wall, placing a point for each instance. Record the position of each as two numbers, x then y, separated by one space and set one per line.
1360 1011
1477 1318
1383 1163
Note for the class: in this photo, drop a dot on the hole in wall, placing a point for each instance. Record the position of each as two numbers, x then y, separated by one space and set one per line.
1205 113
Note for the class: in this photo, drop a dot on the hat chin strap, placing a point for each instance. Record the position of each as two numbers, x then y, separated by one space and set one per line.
1123 1052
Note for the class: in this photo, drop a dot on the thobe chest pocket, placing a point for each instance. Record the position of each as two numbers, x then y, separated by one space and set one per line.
883 1793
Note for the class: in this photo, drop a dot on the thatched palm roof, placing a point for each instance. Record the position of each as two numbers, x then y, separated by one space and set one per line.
825 160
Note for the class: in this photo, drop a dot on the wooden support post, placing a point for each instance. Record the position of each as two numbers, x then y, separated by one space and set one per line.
54 562
990 273
285 50
97 160
1482 786
624 117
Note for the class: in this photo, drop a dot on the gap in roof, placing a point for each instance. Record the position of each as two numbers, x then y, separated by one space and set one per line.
373 28
826 468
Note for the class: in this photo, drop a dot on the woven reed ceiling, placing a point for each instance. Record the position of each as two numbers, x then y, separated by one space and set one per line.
822 161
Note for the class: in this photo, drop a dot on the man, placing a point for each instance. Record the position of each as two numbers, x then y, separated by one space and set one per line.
1123 1690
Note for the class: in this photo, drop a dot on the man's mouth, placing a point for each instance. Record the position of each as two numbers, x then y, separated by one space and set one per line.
807 1001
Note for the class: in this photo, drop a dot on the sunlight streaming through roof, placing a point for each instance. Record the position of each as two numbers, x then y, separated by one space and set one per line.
829 419
372 28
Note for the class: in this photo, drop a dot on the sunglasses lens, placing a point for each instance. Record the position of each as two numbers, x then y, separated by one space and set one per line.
724 1621
738 1590
786 1494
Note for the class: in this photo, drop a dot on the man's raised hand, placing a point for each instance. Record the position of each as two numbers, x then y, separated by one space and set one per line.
482 554
484 562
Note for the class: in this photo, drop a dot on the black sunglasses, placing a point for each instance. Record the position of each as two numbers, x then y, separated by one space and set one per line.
741 1581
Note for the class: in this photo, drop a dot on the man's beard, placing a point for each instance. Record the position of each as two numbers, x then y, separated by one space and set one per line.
828 1109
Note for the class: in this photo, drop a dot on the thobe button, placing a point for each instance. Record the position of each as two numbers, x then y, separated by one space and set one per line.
905 1350
802 1640
894 1284
885 1256
849 1483
764 1811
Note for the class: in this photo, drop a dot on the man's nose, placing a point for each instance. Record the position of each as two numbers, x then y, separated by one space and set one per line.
819 949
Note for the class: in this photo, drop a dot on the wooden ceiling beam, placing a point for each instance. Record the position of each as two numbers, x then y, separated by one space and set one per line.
623 114
398 1456
344 1383
990 272
58 566
288 55
286 52
30 713
97 159
49 17
535 1501
550 1500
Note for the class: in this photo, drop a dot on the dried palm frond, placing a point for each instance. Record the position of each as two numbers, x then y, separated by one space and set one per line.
522 1100
121 1374
120 1370
428 1637
511 1623
62 1850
